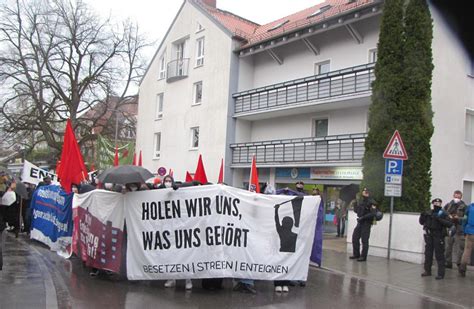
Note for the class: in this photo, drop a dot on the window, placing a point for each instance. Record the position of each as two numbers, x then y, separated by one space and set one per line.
159 106
320 10
470 126
197 97
200 52
321 127
157 146
199 28
163 66
195 138
322 67
373 55
278 25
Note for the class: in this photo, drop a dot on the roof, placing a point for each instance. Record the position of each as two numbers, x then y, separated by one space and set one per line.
237 25
254 33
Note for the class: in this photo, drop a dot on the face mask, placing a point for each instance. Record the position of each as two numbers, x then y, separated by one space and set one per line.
299 189
168 184
456 200
133 188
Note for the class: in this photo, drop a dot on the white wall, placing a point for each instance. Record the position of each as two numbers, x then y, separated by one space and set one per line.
345 121
298 61
452 92
407 237
178 113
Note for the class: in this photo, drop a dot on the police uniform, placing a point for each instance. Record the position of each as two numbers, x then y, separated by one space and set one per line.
435 223
365 217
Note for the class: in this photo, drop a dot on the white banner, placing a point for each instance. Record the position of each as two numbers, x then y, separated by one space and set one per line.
98 228
34 175
218 231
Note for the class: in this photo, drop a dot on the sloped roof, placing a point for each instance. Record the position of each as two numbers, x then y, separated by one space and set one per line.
237 25
254 33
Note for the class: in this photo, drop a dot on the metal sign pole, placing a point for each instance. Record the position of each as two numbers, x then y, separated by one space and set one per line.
390 228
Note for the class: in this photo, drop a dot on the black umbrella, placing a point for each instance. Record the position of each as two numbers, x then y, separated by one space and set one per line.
86 188
21 190
348 193
125 174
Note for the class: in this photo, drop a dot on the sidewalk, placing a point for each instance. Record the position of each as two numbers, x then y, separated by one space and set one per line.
400 275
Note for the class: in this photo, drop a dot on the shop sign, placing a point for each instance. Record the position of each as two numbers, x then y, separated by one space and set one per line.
336 172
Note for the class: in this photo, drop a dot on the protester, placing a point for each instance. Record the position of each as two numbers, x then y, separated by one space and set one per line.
455 240
341 215
168 182
246 285
316 192
468 223
434 224
365 210
13 210
300 186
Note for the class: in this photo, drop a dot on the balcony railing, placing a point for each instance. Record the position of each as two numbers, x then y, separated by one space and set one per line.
347 81
347 148
177 69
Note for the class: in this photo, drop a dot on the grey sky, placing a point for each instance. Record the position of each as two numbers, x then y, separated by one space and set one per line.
154 17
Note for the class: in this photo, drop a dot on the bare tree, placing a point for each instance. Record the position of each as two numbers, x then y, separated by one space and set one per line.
58 60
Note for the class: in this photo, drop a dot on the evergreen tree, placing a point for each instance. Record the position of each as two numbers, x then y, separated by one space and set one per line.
415 109
401 100
386 93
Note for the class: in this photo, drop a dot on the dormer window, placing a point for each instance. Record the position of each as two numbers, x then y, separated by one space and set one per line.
278 25
320 10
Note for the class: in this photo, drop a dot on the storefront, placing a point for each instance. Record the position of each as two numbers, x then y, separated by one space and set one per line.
332 181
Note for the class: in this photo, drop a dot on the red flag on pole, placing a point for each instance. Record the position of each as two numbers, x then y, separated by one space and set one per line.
72 169
200 174
253 181
140 159
134 159
116 158
188 177
221 173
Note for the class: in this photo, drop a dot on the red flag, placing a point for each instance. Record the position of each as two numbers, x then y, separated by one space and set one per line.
200 174
253 181
221 173
134 159
140 159
189 178
116 158
72 169
171 173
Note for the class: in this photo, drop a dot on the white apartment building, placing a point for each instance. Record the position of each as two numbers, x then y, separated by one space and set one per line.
295 93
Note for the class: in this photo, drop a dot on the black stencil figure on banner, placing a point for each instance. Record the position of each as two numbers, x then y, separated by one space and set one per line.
287 237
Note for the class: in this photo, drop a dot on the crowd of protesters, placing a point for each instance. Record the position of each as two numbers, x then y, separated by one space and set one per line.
448 230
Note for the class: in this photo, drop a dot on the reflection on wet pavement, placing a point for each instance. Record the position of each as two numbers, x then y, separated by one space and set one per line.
29 269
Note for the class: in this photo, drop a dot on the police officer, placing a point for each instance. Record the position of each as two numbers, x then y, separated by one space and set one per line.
365 210
435 223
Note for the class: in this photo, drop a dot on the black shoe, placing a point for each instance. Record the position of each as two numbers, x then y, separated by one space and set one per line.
361 259
426 274
439 277
462 272
354 257
450 266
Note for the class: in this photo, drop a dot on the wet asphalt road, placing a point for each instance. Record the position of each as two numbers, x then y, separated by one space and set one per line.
34 277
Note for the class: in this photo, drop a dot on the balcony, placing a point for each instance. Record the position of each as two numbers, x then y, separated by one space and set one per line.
177 69
336 85
348 148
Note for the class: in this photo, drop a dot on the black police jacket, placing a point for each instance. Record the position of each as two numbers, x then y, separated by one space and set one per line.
433 223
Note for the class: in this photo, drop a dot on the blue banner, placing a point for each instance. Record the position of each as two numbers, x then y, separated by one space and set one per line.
52 217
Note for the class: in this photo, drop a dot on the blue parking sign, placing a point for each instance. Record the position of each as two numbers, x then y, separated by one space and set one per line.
393 167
